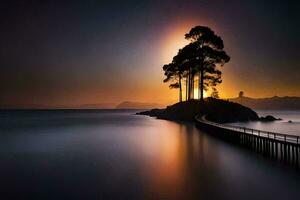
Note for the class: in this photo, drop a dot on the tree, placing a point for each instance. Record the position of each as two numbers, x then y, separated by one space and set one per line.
241 95
202 57
182 67
173 75
209 54
185 59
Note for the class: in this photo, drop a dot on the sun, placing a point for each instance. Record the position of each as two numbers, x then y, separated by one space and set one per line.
197 95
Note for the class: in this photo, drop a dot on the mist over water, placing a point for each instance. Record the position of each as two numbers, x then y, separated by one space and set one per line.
280 126
113 154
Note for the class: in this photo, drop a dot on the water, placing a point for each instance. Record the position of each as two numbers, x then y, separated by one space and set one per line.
281 126
116 155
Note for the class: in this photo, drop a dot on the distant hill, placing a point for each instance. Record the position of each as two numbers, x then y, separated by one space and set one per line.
97 106
272 103
137 105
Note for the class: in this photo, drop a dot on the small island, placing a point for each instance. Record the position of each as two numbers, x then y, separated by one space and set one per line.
216 110
196 70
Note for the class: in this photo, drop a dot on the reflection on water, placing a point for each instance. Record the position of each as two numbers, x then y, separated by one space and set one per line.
117 155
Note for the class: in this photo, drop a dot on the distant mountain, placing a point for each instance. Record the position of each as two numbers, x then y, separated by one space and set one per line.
272 103
97 106
137 105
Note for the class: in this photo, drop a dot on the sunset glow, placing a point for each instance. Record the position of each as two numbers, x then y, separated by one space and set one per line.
73 62
173 41
150 99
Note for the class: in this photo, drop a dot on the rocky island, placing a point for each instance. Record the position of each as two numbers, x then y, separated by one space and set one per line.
216 110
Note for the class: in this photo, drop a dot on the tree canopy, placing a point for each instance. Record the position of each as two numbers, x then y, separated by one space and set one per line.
200 58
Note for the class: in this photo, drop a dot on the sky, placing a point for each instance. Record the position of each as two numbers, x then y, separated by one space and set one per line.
89 52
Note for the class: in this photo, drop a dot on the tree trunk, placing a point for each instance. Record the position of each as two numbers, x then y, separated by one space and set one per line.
186 88
193 85
180 89
199 86
202 83
190 84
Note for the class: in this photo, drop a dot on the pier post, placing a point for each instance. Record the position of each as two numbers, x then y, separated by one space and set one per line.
272 145
276 149
281 150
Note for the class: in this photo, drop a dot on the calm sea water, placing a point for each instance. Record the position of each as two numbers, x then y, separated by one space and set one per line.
281 126
117 155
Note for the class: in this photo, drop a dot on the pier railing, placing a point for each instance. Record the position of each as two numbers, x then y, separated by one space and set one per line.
295 139
273 145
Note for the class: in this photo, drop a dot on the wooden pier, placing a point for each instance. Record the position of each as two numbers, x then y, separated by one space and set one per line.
283 147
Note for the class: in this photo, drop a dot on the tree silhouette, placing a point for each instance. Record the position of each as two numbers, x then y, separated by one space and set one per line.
201 57
173 75
209 54
185 59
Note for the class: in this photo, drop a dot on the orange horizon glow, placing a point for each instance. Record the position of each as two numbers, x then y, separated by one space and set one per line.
151 89
88 62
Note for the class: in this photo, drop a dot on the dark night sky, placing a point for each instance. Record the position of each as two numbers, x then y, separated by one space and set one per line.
72 52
